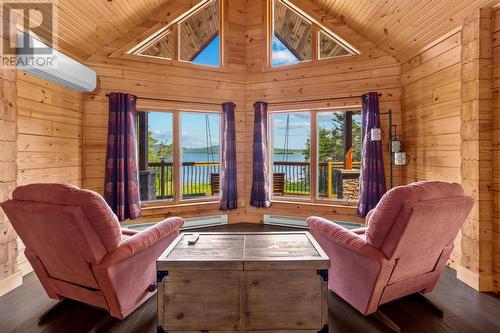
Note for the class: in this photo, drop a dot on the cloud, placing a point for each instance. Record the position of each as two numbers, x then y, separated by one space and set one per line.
197 141
281 54
283 57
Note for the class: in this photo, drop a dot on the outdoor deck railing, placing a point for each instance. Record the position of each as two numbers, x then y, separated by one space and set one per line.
297 176
196 178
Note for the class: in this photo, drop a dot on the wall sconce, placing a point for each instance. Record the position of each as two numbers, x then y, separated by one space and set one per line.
376 134
401 158
397 145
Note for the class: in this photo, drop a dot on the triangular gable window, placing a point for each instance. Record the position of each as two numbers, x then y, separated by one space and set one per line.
329 47
198 33
161 47
292 39
194 38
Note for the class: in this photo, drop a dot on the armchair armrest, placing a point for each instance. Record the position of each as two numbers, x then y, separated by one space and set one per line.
342 237
359 231
142 240
129 232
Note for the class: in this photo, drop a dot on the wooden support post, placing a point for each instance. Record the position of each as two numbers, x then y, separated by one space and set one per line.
476 258
348 140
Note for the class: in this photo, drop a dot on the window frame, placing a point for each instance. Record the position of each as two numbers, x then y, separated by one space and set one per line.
177 156
173 28
317 27
313 196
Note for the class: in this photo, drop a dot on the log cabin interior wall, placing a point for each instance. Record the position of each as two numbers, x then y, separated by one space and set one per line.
496 147
450 131
10 274
246 78
291 87
171 81
431 83
50 123
425 92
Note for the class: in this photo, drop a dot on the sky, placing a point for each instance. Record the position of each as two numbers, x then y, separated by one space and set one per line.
193 130
299 128
210 55
281 54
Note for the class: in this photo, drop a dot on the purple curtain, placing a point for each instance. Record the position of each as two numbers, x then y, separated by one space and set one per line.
260 183
228 186
372 179
121 187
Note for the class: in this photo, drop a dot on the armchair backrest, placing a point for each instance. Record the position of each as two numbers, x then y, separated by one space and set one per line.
67 228
416 224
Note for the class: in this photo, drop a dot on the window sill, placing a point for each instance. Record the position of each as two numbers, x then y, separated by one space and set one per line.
351 205
161 204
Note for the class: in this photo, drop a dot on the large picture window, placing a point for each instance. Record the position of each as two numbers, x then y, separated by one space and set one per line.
200 154
179 155
316 155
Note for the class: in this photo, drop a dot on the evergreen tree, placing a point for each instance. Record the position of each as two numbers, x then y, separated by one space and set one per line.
331 142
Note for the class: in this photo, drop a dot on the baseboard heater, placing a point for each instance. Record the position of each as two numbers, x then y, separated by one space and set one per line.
300 222
190 223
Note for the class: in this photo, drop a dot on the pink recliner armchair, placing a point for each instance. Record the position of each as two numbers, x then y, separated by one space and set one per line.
78 250
403 249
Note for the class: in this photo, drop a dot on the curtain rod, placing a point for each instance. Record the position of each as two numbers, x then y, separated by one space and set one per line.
318 99
175 100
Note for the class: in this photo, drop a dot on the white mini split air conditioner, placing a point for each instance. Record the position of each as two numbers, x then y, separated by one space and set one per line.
56 67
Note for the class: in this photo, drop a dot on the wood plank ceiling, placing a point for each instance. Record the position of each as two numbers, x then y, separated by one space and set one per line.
402 27
87 26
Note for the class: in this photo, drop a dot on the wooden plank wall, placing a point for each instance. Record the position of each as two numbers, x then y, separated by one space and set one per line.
431 112
155 81
50 132
431 104
246 79
177 82
290 86
10 275
496 148
50 119
476 149
451 134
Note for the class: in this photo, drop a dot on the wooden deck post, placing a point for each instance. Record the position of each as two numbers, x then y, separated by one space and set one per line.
348 140
143 141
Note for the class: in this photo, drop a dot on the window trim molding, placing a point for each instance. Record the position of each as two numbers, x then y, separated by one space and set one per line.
317 27
173 28
176 157
312 198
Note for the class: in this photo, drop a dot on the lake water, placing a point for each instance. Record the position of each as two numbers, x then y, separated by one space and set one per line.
196 157
291 173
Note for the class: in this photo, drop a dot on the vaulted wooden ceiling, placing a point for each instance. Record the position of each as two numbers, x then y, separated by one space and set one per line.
400 27
86 26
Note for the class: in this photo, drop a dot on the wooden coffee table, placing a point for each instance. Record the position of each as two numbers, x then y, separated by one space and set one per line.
243 282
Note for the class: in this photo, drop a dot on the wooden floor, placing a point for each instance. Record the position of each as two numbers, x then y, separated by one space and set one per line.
466 311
